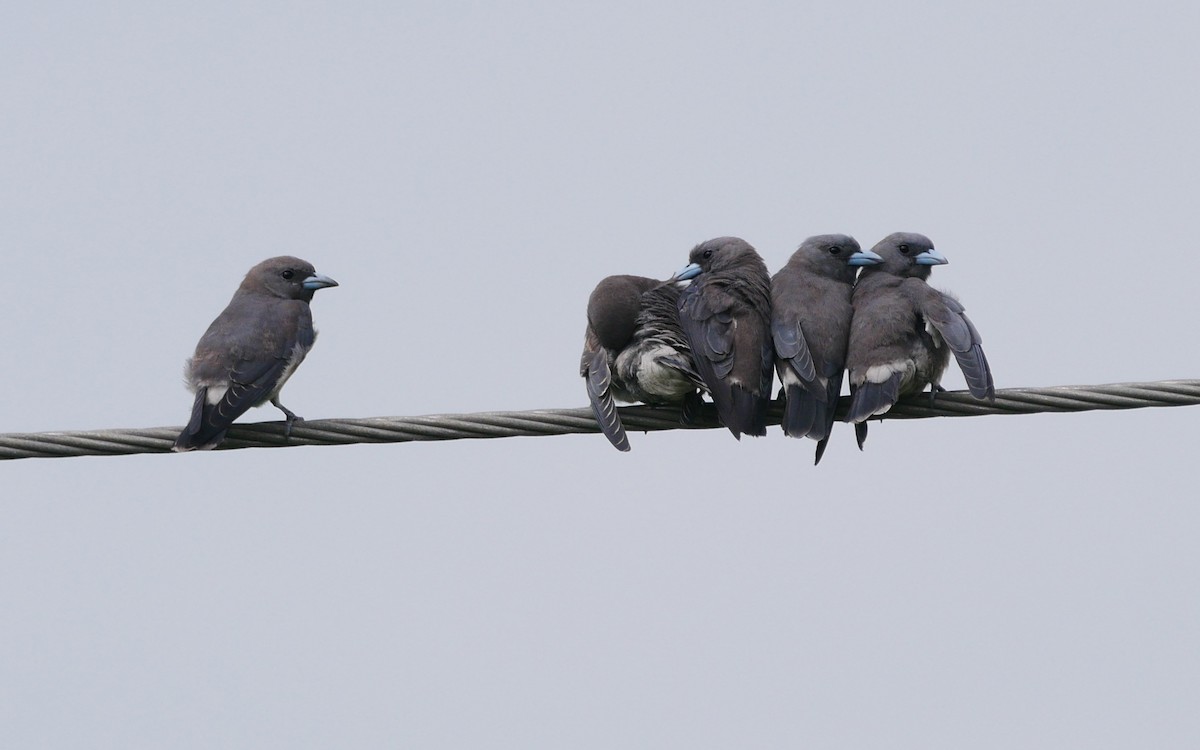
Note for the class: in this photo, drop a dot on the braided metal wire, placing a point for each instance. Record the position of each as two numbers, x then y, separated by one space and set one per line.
573 421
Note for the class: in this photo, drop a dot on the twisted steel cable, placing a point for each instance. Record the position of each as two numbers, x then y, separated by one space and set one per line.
574 421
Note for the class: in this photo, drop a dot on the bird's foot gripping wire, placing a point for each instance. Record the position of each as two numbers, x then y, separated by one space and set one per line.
291 418
690 409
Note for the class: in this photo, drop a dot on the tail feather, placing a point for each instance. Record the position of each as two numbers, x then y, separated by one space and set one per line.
801 413
206 428
832 394
870 399
747 413
820 450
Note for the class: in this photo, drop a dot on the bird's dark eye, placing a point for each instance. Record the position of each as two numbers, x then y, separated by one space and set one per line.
904 249
707 254
288 274
835 250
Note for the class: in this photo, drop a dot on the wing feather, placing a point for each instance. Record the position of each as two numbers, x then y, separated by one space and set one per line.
948 317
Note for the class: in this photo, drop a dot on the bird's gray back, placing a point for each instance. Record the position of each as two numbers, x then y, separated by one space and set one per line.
252 326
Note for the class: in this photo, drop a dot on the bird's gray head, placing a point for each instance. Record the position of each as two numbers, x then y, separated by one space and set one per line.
907 254
286 277
835 256
720 254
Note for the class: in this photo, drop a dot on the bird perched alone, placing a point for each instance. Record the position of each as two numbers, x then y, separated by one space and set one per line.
634 350
904 331
251 349
810 325
726 315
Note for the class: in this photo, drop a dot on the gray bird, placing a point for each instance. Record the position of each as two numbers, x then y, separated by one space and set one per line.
634 350
251 349
904 331
810 325
726 316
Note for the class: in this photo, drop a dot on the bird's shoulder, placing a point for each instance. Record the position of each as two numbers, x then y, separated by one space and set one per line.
256 324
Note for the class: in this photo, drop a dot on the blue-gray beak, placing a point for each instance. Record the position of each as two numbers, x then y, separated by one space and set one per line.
317 281
930 257
864 258
690 271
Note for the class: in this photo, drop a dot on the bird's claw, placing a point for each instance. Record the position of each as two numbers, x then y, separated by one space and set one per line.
690 409
291 420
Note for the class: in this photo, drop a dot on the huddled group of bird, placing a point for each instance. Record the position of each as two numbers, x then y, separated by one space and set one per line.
723 326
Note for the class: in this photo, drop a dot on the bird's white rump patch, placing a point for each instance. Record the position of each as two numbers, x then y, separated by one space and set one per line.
881 373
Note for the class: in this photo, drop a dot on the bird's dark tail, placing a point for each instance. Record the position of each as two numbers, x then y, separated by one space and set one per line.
747 413
869 398
203 432
801 413
811 415
833 392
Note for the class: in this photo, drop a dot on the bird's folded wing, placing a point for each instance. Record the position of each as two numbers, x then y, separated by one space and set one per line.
791 347
598 377
947 316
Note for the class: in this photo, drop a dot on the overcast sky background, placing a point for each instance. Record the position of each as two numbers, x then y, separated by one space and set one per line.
468 172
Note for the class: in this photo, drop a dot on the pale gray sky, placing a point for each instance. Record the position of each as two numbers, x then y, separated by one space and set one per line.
468 171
